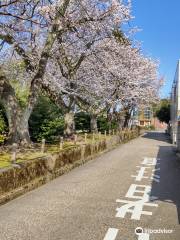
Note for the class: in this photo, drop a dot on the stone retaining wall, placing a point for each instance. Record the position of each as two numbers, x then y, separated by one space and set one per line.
28 175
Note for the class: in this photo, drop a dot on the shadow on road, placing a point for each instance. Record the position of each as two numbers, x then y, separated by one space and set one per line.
168 190
159 136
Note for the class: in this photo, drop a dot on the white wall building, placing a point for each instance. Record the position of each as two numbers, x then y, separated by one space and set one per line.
175 108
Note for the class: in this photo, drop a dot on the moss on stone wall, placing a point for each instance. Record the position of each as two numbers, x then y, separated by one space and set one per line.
27 175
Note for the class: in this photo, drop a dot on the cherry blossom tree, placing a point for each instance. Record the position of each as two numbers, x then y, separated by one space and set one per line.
113 75
31 30
23 29
71 52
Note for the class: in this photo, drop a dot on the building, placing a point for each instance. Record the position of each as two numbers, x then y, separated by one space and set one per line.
175 108
145 118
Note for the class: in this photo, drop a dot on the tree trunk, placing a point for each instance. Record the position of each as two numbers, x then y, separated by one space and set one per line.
69 127
17 116
109 119
93 123
126 121
18 127
121 121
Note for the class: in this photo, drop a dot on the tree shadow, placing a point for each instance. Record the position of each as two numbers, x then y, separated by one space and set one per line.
158 136
168 189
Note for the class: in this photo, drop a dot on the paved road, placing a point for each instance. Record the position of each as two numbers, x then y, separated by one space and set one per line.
100 200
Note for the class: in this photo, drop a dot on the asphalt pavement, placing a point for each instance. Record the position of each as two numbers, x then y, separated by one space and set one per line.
136 185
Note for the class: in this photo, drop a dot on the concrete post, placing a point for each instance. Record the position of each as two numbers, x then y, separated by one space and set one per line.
14 153
61 143
105 133
75 139
85 137
43 145
93 137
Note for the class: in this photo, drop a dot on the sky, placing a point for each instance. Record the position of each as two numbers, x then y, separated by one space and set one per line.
160 35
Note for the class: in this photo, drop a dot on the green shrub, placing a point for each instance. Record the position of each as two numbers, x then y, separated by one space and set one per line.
52 129
2 138
163 111
151 127
82 121
2 124
104 124
46 120
3 128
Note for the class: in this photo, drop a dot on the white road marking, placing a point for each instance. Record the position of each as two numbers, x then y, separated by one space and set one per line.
153 198
156 169
155 178
144 189
111 234
143 236
150 161
142 195
141 173
136 207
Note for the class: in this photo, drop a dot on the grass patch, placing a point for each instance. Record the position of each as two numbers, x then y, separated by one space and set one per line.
5 158
30 154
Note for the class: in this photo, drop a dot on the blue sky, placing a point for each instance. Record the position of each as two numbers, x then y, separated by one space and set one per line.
160 35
